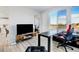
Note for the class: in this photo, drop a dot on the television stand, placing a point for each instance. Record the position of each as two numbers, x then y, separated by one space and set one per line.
25 36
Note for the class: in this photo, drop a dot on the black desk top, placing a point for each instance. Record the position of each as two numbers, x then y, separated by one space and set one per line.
48 33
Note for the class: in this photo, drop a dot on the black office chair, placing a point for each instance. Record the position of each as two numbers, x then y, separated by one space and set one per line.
68 38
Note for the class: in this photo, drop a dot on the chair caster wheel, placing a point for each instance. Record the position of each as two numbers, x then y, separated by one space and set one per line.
57 46
72 49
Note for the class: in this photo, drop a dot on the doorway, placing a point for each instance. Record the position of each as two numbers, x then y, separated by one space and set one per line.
4 32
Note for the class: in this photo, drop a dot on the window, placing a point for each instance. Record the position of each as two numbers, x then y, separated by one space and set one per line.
75 14
62 17
61 20
57 19
75 17
53 18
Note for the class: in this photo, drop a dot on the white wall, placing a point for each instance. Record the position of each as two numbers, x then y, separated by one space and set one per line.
18 15
24 15
44 22
3 12
45 17
21 15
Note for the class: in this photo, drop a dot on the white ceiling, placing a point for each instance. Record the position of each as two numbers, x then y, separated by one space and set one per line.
45 8
41 8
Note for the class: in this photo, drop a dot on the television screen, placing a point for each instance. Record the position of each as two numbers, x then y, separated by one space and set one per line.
24 28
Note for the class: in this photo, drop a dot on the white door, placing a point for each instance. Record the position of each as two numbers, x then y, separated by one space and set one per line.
4 31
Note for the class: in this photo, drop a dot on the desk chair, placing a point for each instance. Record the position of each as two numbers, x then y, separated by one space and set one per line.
68 38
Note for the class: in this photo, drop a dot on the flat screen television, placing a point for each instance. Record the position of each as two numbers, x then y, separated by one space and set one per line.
24 28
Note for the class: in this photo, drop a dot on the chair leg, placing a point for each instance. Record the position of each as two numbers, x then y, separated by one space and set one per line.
65 49
60 45
64 45
70 47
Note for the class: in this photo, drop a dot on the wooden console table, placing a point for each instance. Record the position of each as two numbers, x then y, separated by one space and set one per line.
25 36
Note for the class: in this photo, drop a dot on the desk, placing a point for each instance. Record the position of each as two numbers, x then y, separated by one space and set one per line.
48 35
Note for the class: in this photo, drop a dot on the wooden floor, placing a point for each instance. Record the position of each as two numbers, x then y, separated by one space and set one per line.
22 46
